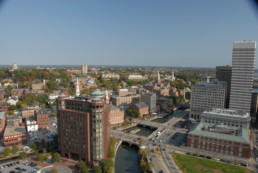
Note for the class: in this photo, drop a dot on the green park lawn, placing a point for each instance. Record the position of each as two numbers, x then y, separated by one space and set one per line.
191 164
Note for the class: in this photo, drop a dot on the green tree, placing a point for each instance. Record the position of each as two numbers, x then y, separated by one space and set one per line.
111 148
35 146
41 157
188 95
107 165
7 151
44 150
84 170
23 155
97 169
15 148
55 157
79 165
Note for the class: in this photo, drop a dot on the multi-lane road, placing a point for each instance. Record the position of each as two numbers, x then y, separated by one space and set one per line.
170 139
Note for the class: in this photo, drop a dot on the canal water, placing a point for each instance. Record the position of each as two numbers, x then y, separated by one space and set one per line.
127 160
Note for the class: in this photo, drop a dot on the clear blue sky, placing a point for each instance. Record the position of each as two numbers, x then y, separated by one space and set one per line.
196 33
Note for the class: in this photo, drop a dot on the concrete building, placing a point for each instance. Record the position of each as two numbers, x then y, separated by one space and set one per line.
223 73
109 76
42 118
243 63
123 101
82 128
116 116
2 123
206 96
136 77
84 69
228 117
150 99
234 141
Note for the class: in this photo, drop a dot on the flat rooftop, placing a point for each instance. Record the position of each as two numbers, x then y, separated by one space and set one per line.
228 112
12 130
222 132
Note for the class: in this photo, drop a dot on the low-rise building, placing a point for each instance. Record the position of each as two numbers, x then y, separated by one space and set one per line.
12 100
234 141
136 77
37 86
14 134
116 115
142 108
229 117
109 76
42 118
123 101
2 123
31 124
26 112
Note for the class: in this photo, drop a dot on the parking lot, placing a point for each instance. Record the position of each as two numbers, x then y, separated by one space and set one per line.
19 167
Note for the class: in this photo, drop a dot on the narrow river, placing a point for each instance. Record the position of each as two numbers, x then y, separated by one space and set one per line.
127 160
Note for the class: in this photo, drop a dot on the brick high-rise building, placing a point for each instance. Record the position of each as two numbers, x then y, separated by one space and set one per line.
82 128
243 61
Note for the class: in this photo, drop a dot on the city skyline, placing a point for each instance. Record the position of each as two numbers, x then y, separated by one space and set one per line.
124 33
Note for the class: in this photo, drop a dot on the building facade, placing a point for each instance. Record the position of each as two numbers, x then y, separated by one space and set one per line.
206 96
243 63
42 118
123 101
84 69
223 73
151 100
82 128
220 139
116 116
2 123
109 76
26 112
229 117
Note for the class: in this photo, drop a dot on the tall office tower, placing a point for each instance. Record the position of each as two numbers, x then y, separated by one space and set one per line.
223 73
82 127
84 69
150 99
206 96
243 60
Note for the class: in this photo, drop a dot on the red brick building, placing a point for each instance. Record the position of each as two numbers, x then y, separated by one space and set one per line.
82 127
231 141
42 118
115 115
142 108
27 112
14 134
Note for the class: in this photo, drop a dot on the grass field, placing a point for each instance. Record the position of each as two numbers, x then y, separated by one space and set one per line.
191 164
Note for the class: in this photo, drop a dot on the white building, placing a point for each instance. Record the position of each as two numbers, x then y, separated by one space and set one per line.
12 100
243 63
31 125
228 117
